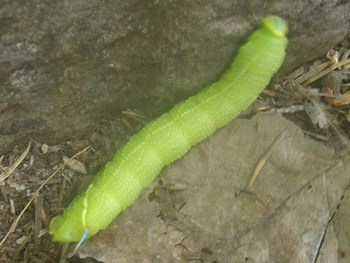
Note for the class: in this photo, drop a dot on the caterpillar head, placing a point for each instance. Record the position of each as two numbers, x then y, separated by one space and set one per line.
276 25
64 229
68 226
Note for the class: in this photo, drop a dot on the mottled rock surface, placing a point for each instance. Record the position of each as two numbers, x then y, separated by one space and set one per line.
201 210
65 65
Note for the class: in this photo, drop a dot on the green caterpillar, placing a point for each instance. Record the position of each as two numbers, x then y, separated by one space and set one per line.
171 135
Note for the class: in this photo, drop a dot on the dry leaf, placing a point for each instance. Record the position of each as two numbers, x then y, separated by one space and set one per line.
75 165
44 148
339 100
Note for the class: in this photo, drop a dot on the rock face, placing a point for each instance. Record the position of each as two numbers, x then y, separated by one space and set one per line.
65 65
200 209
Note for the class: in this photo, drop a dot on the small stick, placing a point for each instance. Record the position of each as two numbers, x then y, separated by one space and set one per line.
15 164
12 205
38 222
60 197
127 124
15 222
315 135
135 116
312 72
263 160
325 72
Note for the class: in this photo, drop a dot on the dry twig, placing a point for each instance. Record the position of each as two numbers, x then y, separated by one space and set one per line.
335 126
15 222
313 76
263 159
15 164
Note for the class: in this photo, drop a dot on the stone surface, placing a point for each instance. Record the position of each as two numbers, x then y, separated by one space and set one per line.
65 65
201 209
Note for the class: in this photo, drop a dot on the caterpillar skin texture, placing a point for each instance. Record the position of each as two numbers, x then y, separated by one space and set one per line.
170 136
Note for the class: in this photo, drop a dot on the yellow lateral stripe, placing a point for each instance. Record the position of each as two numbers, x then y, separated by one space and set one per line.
85 205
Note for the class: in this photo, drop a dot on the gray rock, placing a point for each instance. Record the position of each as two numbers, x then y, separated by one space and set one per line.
65 65
200 209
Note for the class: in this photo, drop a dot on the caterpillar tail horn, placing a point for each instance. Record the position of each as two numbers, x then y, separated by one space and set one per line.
82 240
